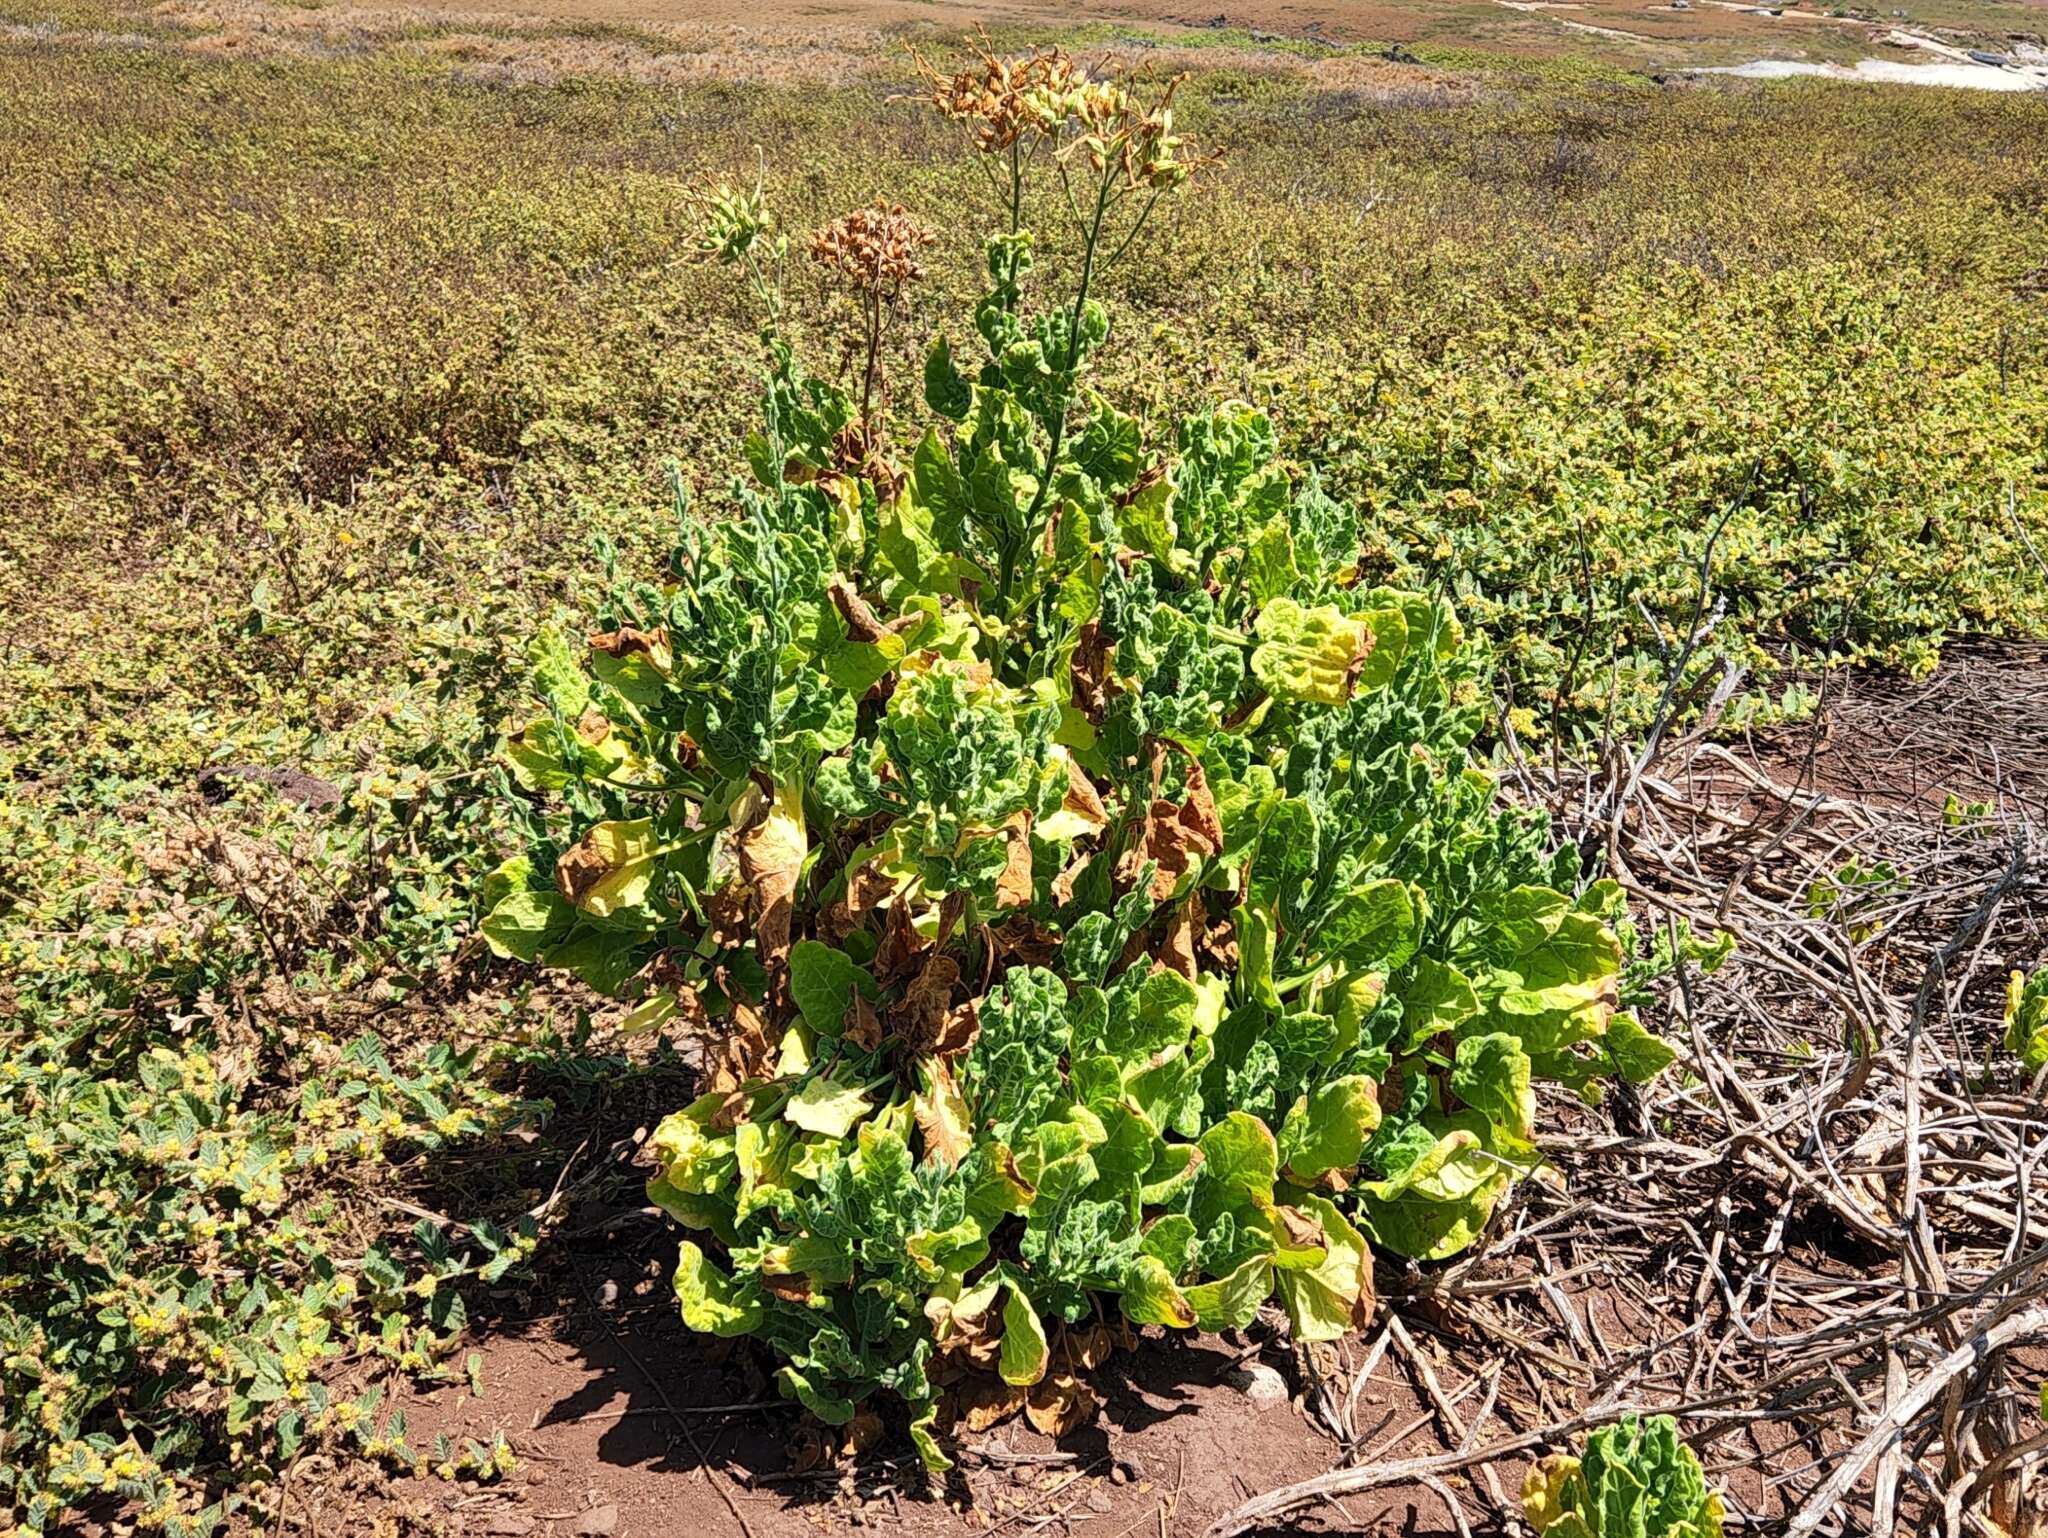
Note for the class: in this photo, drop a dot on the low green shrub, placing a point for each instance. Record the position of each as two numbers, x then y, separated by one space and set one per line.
1636 1480
1078 874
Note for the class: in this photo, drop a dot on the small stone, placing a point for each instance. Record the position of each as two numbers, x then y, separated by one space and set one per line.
1098 1502
1119 1475
1264 1387
1022 1475
608 1294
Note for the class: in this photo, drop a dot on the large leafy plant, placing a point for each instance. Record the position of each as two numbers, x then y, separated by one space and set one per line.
1077 874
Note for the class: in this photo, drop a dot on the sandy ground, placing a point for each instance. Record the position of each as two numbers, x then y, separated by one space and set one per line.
837 39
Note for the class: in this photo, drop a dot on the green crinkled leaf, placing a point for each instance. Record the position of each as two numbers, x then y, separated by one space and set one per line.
1232 1302
558 675
823 981
1437 997
1635 1480
604 958
1389 629
1108 449
1171 1240
1371 925
1254 926
1147 521
827 1106
1025 1353
1312 655
712 1302
523 924
2026 1018
832 1409
1491 1074
924 1437
945 391
1327 1128
1149 1296
857 666
1269 567
1334 1296
1240 1155
1639 1055
1175 1165
1438 1204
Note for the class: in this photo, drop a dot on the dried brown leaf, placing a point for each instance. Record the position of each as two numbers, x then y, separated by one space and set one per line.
942 1115
986 1402
862 1435
861 624
1014 885
771 846
1060 1404
1177 950
863 1026
629 642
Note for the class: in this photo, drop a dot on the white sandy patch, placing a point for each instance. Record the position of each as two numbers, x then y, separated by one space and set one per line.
1980 77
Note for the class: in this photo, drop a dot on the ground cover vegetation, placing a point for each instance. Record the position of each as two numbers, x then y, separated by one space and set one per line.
316 393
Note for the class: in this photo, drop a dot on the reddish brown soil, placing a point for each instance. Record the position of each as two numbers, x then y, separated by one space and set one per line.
601 1391
1974 728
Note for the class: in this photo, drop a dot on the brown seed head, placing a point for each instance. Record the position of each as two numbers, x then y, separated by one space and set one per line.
874 249
1004 100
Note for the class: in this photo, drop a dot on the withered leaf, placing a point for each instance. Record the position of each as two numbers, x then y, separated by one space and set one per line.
1013 885
629 642
863 1026
941 1112
807 1448
1177 951
1064 883
1174 842
1085 1348
863 1434
868 886
1082 798
928 1000
1090 671
1198 813
744 1053
986 1402
901 943
579 869
1024 940
1060 1404
1301 1228
771 846
861 624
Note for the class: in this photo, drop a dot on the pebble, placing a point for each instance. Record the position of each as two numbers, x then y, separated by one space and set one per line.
1264 1387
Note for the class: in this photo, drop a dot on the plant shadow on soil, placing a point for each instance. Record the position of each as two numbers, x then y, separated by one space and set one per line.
618 1414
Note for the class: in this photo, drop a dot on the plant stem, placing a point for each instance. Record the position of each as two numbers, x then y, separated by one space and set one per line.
1056 432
